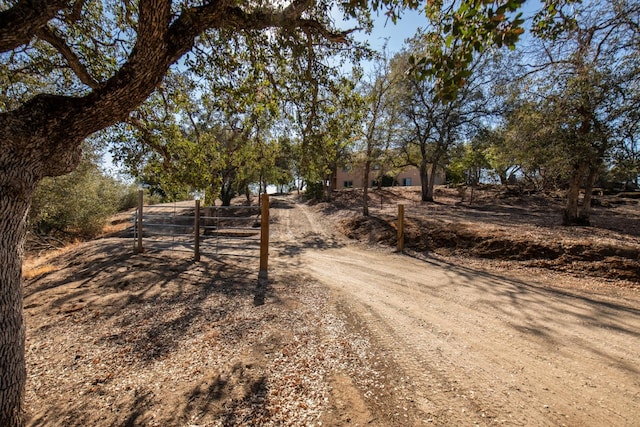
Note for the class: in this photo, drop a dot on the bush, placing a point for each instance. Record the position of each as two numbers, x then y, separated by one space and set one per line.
129 199
78 204
314 191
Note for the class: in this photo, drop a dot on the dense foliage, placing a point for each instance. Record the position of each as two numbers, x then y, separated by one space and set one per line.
79 204
556 114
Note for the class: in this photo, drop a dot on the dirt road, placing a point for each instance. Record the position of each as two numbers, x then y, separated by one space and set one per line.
454 346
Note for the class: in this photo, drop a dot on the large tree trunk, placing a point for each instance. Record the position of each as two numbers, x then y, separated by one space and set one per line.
585 212
365 188
227 194
432 180
30 148
12 329
247 194
16 188
43 138
424 182
571 215
328 189
504 181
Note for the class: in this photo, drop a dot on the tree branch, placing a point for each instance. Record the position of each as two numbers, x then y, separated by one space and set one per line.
335 37
160 44
58 123
19 24
295 9
148 139
50 36
76 12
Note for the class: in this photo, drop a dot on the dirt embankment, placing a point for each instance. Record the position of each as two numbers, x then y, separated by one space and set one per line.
522 229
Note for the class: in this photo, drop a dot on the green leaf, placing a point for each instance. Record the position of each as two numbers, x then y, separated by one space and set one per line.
449 40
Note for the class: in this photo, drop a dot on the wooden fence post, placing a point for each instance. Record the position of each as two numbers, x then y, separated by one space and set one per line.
264 240
196 231
400 228
139 249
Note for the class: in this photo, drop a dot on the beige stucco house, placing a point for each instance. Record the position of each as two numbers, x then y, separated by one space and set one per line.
352 176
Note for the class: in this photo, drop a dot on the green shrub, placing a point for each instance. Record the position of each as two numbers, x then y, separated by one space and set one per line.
314 191
78 204
129 199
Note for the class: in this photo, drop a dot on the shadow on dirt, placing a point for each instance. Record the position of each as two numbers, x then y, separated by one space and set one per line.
155 304
140 291
310 241
299 241
526 308
427 236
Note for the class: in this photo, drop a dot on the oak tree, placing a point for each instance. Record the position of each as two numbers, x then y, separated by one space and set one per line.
433 125
70 68
586 82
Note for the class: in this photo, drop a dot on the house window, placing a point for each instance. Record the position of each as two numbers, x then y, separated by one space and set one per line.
348 184
406 182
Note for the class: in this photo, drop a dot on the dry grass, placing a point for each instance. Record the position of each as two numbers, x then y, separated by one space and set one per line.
37 260
31 272
118 223
157 340
524 230
37 265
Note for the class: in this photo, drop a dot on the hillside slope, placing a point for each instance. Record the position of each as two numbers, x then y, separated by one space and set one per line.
512 231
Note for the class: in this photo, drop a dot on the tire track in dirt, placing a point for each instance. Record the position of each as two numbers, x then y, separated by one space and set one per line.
415 342
471 348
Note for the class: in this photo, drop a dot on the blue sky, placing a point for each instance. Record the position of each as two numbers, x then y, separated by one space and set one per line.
407 25
397 33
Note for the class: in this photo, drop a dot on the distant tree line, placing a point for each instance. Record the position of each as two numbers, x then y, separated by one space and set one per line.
559 112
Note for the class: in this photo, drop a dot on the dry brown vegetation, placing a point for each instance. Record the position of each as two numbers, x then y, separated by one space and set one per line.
155 339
